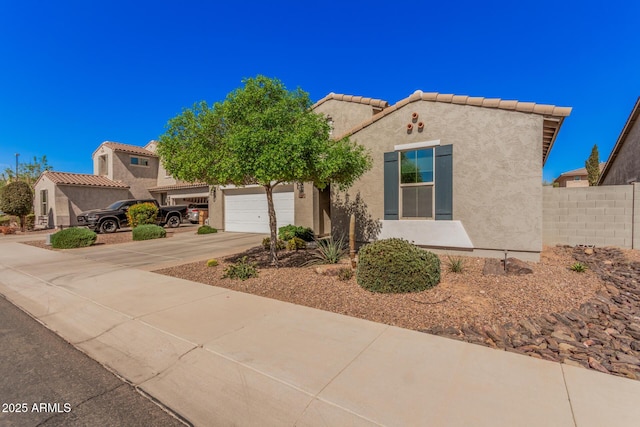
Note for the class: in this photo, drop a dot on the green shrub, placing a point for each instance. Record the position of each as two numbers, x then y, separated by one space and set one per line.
295 244
280 244
73 237
345 274
329 251
205 229
142 214
395 265
242 270
455 264
30 221
5 220
212 263
148 231
288 232
579 267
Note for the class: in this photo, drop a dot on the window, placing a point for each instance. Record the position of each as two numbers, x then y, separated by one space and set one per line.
576 178
139 161
44 202
416 183
103 165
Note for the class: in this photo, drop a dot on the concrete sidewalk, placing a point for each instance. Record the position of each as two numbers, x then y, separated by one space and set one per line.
219 357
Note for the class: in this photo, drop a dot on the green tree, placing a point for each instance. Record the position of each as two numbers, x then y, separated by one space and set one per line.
28 172
261 134
16 198
592 164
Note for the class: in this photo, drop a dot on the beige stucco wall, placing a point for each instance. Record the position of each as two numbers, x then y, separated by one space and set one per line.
497 169
625 168
345 115
139 178
67 201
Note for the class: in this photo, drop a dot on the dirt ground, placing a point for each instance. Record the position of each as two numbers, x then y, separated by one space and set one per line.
462 298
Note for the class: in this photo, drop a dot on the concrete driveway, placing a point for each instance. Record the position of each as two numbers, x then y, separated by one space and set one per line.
160 253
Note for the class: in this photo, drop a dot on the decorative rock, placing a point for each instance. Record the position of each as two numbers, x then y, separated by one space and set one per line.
626 358
517 267
493 267
565 347
597 365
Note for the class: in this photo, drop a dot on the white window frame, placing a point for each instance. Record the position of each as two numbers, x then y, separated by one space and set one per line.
409 148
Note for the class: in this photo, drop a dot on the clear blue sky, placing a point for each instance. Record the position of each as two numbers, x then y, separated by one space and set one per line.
76 73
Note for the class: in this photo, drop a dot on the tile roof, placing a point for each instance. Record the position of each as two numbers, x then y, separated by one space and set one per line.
65 178
179 186
126 148
633 117
553 115
579 171
376 103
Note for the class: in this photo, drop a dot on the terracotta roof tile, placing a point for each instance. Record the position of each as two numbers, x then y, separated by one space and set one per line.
66 178
554 116
178 186
376 103
126 148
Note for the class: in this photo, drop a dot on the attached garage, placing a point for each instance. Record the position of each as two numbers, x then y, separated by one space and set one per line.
246 210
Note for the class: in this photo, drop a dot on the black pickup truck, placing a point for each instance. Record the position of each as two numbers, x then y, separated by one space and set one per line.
114 216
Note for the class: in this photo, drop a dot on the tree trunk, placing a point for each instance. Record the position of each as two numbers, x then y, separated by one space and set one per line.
273 224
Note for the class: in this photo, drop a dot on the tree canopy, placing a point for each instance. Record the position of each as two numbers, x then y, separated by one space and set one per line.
16 198
592 164
261 134
27 172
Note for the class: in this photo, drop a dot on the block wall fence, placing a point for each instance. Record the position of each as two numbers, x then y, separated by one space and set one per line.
601 216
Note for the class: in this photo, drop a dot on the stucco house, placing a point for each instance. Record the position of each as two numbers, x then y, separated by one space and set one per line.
120 171
575 178
451 172
623 165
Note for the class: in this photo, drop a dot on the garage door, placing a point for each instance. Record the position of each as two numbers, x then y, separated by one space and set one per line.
249 213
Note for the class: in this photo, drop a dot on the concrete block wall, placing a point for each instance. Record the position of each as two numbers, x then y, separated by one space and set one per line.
601 216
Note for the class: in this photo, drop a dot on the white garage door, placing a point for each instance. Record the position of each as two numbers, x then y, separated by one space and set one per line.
249 213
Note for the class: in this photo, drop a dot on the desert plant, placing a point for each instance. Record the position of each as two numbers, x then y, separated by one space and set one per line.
329 251
280 244
579 267
212 263
288 232
395 266
345 274
242 270
205 229
148 231
455 264
142 214
74 237
295 244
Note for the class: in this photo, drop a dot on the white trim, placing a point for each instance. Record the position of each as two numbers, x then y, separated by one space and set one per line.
416 145
442 234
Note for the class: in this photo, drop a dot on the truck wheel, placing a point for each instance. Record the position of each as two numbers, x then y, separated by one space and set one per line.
173 221
108 226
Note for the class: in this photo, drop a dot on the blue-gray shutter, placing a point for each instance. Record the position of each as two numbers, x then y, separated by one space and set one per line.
391 185
444 182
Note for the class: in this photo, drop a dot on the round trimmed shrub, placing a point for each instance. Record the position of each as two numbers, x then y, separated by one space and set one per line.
396 266
205 229
74 237
290 231
148 231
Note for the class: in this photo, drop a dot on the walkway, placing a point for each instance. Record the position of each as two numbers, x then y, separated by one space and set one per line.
219 357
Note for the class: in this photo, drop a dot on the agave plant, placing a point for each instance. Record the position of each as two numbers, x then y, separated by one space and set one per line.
328 251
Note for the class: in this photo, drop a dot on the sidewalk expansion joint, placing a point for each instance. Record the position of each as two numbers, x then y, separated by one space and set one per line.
566 387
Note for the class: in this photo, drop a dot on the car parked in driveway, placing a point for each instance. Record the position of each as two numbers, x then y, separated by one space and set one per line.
193 211
114 216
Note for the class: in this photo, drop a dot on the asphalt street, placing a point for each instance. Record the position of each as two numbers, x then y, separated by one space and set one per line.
44 381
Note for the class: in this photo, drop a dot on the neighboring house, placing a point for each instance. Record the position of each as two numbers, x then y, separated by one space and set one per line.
623 165
449 172
120 171
575 178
